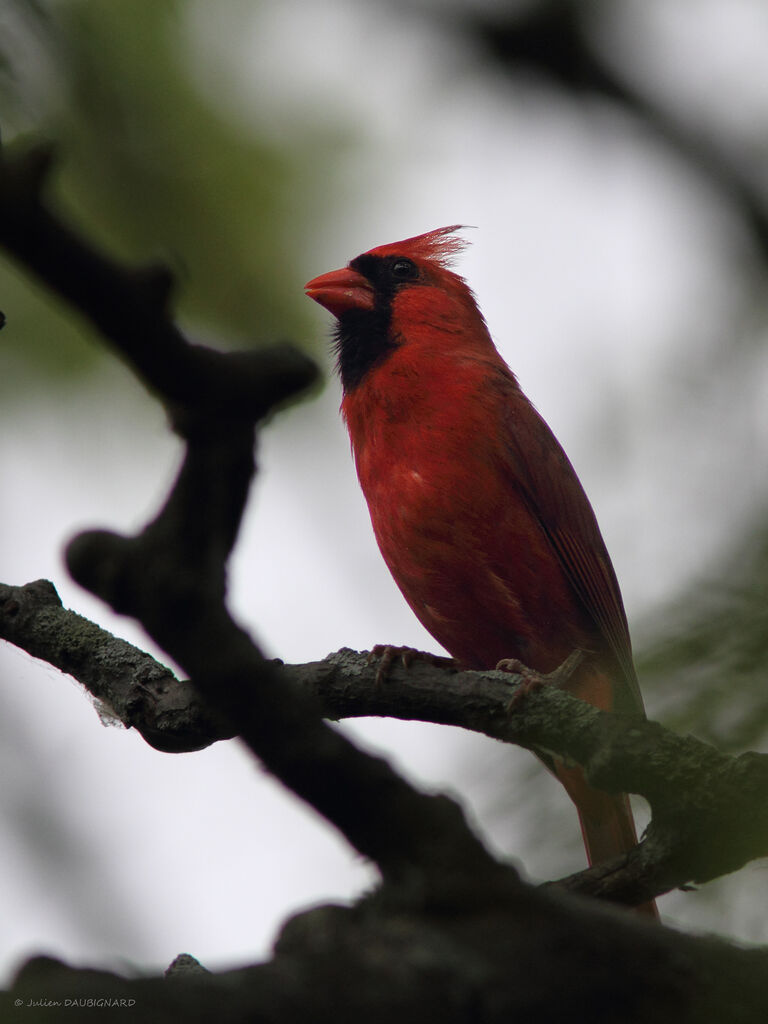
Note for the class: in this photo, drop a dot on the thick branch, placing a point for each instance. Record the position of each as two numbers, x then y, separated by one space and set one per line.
709 809
553 961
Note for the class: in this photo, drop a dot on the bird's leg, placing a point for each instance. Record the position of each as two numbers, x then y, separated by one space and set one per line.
389 654
533 680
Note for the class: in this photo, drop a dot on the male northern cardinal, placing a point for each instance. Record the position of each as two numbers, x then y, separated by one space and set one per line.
477 511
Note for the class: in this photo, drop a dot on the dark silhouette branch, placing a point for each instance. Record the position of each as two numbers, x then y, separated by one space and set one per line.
555 960
130 309
171 576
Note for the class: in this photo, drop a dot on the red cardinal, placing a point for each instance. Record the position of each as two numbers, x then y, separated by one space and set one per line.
477 511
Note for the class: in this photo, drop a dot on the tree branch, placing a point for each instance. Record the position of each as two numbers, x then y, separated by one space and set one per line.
138 690
710 810
559 961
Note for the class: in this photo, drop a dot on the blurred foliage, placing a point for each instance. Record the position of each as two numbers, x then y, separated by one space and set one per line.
705 665
572 44
150 170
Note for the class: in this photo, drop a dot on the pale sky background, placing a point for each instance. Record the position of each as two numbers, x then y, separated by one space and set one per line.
603 271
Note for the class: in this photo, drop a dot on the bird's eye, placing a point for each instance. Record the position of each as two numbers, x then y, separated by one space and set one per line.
404 270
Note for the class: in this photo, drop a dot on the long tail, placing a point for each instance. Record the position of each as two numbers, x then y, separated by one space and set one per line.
607 825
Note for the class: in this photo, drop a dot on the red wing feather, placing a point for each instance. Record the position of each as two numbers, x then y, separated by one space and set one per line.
595 582
555 496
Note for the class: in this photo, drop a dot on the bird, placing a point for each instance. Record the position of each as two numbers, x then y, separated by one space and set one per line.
476 509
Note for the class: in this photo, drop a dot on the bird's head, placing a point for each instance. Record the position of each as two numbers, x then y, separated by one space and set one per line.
402 293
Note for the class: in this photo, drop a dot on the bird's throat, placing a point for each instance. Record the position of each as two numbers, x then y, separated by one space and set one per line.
362 342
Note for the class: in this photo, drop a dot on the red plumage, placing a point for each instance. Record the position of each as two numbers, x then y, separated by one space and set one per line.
477 511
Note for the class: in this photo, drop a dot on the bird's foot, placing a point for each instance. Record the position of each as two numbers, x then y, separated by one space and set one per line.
389 654
531 680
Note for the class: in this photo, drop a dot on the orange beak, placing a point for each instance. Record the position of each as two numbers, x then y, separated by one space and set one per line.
341 290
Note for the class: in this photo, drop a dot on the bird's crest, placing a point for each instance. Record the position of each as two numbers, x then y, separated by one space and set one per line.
441 246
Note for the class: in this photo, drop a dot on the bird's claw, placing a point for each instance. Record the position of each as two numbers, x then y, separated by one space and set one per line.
389 654
531 680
